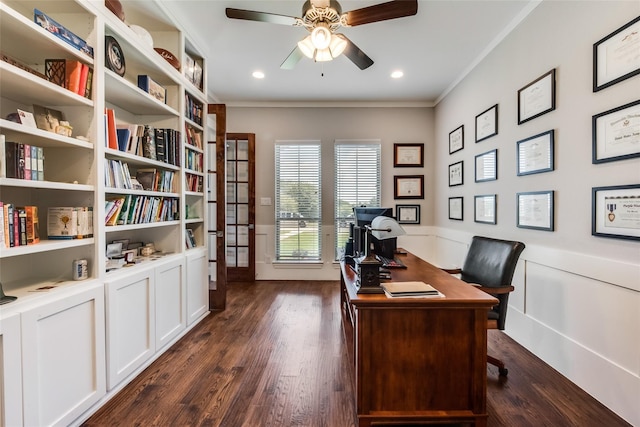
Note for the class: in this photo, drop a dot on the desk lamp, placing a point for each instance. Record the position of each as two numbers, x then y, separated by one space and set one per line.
368 266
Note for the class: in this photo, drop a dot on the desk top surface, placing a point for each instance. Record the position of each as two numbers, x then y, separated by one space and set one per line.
456 292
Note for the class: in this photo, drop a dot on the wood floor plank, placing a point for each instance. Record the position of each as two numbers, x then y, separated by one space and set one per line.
276 357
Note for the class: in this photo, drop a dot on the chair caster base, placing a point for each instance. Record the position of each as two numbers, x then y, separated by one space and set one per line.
503 372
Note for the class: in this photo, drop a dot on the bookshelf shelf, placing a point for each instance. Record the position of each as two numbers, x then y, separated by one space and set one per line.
130 97
129 227
45 246
41 138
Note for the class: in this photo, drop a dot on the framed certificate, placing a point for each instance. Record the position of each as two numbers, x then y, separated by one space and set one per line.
456 176
616 133
487 124
456 206
408 187
456 139
408 155
408 214
535 210
537 98
616 212
484 209
615 57
487 166
535 154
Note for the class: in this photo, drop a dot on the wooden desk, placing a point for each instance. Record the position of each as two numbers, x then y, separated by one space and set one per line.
418 360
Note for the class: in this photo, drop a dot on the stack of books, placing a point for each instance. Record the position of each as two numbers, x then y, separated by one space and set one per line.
410 290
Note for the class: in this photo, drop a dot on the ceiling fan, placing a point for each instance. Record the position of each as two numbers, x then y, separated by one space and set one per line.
322 18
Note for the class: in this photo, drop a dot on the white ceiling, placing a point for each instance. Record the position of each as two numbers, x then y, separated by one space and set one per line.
435 49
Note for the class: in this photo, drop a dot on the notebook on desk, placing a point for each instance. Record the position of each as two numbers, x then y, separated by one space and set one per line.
409 289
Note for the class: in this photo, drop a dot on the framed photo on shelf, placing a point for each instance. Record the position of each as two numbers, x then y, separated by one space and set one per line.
615 133
535 210
615 211
408 187
615 57
408 214
456 139
537 98
456 175
456 211
47 118
484 209
487 124
487 166
408 155
535 154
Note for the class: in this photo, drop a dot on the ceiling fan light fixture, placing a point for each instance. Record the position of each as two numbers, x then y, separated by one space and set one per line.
306 47
323 55
338 45
321 36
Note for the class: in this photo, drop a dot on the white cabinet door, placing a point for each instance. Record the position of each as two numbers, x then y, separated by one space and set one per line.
10 371
63 353
197 285
170 300
131 324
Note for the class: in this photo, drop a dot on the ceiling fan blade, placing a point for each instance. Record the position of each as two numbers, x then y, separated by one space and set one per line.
251 15
357 56
382 12
294 57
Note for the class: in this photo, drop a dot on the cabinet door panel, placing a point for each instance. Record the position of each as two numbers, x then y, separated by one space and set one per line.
10 371
197 286
63 347
170 299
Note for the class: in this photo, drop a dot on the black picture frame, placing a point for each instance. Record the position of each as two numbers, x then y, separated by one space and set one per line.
456 208
537 98
408 155
484 209
408 214
486 166
535 154
609 221
408 187
487 123
456 139
615 121
535 210
456 174
627 33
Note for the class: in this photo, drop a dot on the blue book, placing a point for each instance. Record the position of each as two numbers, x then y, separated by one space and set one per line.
123 138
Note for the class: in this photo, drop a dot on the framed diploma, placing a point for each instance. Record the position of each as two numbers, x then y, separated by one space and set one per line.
487 166
616 57
616 133
484 209
487 124
537 98
408 214
408 155
408 187
456 208
616 212
456 139
456 176
535 154
535 210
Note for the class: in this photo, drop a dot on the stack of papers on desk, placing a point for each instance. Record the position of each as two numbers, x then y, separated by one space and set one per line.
410 290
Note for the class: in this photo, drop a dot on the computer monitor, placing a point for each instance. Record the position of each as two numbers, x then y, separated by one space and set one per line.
363 216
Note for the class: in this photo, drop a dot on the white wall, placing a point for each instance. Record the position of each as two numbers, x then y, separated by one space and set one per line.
577 299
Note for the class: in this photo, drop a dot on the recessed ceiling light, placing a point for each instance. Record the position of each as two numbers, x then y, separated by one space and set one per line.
397 74
258 74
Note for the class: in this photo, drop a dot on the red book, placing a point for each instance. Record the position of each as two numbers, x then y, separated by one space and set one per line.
112 136
73 73
84 73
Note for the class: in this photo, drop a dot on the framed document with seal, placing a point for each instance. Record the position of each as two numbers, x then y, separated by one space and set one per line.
535 154
616 57
535 210
408 155
408 214
484 209
616 211
408 187
487 124
616 133
537 98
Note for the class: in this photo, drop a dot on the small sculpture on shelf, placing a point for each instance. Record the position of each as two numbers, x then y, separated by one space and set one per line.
5 299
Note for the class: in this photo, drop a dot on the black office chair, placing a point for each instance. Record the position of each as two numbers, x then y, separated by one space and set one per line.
489 265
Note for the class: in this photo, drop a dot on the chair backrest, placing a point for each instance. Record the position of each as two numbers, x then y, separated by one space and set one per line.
491 264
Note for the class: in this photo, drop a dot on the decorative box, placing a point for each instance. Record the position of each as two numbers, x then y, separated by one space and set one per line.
152 88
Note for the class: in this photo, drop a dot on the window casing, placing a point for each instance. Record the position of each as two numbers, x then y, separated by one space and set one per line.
357 183
298 203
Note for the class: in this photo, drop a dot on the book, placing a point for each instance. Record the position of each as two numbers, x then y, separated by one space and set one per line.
112 137
123 136
10 159
409 289
40 160
73 75
62 223
89 85
111 217
33 225
84 73
8 225
27 161
22 225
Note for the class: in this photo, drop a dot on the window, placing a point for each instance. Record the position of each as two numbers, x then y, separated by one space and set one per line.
298 202
357 182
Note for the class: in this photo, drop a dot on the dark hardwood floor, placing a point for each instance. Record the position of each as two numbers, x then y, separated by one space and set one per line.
276 357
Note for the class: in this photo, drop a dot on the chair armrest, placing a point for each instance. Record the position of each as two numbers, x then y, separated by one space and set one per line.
495 291
452 270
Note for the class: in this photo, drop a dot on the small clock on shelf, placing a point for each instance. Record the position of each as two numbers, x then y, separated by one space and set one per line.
114 56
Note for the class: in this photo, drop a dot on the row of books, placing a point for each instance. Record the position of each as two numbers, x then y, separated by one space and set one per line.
190 239
132 209
67 223
193 136
161 144
117 175
156 180
194 161
21 161
194 183
193 109
19 225
70 74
